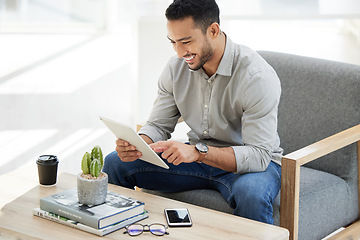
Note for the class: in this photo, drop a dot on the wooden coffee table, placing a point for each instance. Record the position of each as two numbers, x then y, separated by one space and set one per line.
17 221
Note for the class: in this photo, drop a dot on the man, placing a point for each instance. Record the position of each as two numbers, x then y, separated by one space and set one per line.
228 95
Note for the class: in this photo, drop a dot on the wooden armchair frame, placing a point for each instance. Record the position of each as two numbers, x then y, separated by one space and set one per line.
290 175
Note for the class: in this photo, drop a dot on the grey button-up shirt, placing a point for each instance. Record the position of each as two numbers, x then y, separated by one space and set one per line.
236 107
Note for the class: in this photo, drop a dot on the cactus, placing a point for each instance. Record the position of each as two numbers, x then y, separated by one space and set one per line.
95 168
96 153
85 163
93 163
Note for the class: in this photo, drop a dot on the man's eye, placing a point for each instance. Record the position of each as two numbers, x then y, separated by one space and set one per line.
186 42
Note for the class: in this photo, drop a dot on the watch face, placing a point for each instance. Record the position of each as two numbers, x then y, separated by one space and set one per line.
201 147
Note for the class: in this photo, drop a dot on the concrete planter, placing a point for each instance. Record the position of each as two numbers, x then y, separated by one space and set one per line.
92 191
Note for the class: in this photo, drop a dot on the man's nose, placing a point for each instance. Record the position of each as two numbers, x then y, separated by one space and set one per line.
180 50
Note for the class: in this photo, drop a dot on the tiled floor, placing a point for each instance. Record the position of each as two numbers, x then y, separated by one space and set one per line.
54 87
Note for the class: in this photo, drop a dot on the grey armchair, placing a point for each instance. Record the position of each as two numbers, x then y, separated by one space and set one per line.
319 128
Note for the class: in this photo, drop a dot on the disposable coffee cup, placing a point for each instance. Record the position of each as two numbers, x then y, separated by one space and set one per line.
47 169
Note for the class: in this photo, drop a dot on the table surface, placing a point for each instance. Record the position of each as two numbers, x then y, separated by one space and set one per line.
16 219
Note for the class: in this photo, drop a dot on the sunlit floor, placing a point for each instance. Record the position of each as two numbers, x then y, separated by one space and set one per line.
54 87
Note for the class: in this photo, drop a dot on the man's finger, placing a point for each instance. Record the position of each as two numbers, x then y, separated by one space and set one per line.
125 149
121 142
129 156
159 149
160 146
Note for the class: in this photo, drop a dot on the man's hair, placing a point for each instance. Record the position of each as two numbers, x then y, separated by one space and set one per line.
203 12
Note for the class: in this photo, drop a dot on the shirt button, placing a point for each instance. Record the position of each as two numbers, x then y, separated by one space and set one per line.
205 132
206 106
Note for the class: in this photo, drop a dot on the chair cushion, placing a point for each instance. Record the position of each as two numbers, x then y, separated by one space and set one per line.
326 204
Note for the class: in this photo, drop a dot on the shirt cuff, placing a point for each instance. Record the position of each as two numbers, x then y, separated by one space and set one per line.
242 159
251 159
151 132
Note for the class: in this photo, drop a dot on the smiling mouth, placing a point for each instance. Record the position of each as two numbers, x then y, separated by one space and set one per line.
190 59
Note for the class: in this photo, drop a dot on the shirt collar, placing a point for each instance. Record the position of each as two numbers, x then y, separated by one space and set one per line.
226 63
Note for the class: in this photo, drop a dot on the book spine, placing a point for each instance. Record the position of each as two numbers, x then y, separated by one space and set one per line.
67 212
135 210
124 223
100 232
65 221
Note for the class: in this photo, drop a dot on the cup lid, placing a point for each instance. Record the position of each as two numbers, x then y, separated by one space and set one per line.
47 159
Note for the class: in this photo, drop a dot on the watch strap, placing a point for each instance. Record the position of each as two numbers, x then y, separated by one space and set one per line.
202 157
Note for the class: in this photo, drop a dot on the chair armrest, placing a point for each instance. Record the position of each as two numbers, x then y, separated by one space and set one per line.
325 146
290 173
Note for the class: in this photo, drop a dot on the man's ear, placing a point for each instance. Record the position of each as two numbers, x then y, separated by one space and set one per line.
213 30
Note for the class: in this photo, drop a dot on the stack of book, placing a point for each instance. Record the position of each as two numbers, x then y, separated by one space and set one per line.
117 212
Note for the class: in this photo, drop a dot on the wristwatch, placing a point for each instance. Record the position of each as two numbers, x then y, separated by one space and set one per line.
203 150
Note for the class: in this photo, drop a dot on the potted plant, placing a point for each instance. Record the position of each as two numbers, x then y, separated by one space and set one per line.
92 182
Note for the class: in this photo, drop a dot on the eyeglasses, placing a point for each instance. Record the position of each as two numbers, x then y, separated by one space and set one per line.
155 228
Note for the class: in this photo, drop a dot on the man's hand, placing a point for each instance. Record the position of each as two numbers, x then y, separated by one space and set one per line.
126 151
176 152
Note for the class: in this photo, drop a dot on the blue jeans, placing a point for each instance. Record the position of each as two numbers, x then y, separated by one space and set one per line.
251 194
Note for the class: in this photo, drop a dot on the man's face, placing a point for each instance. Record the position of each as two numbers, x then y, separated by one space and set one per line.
189 42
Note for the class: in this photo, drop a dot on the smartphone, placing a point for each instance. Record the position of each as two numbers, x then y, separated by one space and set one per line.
178 217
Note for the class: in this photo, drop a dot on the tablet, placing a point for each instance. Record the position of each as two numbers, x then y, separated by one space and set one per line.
126 133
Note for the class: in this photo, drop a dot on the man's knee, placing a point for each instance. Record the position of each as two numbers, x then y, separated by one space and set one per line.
248 193
112 167
251 201
110 160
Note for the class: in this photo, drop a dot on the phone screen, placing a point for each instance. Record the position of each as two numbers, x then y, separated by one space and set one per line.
178 217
